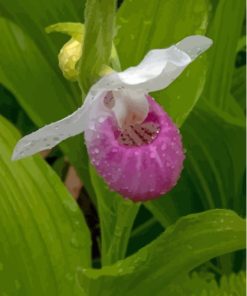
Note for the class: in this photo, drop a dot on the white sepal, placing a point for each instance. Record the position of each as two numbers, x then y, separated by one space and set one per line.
54 133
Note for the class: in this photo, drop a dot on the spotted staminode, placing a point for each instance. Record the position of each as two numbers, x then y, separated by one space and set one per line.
131 141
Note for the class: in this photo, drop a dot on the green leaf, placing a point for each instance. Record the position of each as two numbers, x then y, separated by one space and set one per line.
241 44
168 208
238 88
99 26
214 160
116 219
206 285
11 110
43 235
211 161
33 17
28 75
145 25
190 242
225 31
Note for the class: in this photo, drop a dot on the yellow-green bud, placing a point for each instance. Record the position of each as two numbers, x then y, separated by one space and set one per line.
68 58
71 52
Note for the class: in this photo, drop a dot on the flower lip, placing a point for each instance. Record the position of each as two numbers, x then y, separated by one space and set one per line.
139 172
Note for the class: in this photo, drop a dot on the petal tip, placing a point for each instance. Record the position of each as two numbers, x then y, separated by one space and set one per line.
17 154
194 45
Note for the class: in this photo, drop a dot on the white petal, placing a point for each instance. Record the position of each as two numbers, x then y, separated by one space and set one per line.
52 134
160 67
194 45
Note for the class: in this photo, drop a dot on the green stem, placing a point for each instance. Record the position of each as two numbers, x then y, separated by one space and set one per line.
99 29
115 249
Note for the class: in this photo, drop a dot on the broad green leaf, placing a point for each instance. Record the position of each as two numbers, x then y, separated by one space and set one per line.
225 32
29 76
238 88
206 285
233 116
179 202
214 160
241 43
10 109
116 219
145 25
99 29
34 16
215 154
43 235
194 239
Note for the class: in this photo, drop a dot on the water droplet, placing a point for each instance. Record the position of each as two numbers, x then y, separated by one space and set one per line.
123 20
132 37
114 150
75 242
147 22
1 266
77 223
96 150
70 205
101 119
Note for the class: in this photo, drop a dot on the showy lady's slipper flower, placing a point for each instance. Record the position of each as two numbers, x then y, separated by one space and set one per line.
131 141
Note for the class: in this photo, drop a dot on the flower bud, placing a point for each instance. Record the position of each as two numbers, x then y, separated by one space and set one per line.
71 52
68 58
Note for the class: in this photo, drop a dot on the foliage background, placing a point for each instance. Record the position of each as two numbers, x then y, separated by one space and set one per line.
46 235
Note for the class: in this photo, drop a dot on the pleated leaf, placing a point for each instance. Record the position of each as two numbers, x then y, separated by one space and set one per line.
43 235
190 242
26 72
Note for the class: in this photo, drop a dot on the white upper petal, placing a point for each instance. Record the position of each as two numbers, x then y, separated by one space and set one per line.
160 67
156 71
194 45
